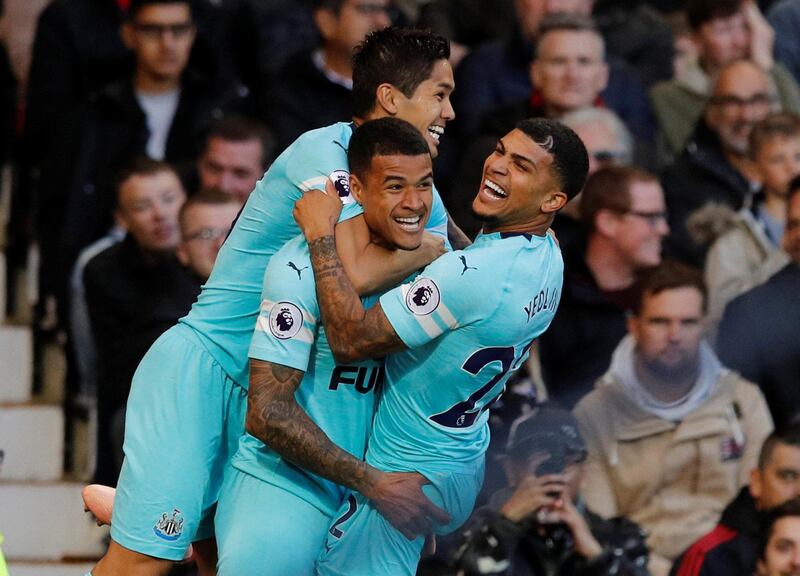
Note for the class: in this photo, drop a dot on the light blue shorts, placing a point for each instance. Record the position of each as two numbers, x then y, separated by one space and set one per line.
183 423
266 530
360 542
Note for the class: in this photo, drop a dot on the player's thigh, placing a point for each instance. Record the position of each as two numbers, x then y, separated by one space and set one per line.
263 529
174 428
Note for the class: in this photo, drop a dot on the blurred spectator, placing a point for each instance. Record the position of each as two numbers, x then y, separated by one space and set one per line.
716 165
746 244
758 335
672 434
608 142
623 210
315 87
779 548
686 52
497 74
162 110
205 220
538 524
135 290
784 17
731 547
236 154
724 31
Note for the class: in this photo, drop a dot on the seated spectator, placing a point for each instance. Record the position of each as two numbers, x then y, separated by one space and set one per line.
746 251
779 549
724 31
731 547
236 154
538 524
716 165
672 434
162 110
135 290
205 220
608 142
758 334
315 87
623 210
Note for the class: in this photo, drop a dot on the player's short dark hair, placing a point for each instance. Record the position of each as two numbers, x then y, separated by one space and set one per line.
136 5
609 189
242 129
570 160
699 12
383 137
402 57
669 275
775 125
140 166
789 435
788 509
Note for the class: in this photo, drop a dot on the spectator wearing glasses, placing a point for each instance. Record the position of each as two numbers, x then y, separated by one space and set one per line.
315 86
724 31
623 210
716 165
161 110
672 434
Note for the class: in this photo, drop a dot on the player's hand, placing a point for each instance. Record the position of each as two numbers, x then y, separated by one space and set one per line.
316 213
399 498
432 247
534 493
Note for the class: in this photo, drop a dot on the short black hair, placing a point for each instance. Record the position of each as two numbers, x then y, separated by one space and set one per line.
570 160
789 435
383 137
136 5
566 22
242 129
402 57
699 12
141 166
788 509
610 189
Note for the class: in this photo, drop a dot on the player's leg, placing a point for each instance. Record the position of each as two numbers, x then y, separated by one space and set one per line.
174 424
266 530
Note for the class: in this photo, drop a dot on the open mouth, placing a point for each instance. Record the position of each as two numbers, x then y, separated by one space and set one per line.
494 190
409 223
436 132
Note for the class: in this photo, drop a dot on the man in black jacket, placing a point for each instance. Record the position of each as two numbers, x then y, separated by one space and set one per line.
537 525
731 547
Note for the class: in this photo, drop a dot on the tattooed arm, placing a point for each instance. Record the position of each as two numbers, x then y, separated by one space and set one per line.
275 418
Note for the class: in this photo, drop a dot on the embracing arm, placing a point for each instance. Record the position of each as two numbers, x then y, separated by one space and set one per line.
275 418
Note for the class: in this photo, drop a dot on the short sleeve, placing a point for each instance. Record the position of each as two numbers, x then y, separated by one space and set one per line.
286 327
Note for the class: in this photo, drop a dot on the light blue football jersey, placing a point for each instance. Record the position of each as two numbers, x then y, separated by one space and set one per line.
468 321
225 312
340 399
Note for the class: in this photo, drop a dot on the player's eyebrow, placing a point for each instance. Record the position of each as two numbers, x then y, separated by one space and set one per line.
525 160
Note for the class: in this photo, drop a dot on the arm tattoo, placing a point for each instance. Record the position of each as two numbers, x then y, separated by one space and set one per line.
275 418
353 333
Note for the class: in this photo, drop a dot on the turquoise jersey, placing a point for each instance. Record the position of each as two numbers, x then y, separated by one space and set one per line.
225 312
468 321
339 399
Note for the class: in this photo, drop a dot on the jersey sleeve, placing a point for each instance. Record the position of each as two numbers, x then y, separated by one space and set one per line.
437 223
287 321
435 302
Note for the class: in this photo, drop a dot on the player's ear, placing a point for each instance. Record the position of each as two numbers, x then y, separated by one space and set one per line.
554 201
386 98
356 188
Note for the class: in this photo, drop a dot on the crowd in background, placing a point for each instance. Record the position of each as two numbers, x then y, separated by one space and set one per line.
677 340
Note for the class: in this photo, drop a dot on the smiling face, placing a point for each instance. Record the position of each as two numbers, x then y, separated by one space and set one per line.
518 178
569 69
396 193
428 108
231 166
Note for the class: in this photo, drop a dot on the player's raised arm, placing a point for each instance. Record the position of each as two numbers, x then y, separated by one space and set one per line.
353 332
